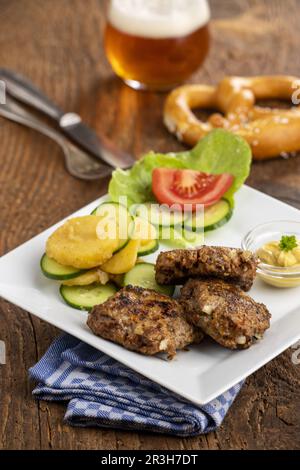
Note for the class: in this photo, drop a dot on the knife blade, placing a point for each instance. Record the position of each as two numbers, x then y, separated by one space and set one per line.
70 124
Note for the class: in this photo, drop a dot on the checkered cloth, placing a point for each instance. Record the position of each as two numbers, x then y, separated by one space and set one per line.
102 392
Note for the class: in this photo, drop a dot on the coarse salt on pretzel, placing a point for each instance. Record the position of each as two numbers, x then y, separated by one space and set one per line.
270 132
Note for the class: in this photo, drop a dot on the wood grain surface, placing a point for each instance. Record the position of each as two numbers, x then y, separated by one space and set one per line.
58 44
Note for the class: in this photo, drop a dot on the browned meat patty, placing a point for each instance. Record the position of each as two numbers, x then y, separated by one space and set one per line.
224 312
145 321
231 264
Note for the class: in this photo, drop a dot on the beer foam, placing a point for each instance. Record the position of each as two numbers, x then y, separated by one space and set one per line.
158 19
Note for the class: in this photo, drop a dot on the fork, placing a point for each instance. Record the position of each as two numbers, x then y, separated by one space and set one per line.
78 162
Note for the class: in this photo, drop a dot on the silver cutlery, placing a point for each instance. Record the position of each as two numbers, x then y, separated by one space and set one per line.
78 162
70 123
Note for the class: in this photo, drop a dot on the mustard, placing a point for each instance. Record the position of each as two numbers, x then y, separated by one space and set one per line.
284 253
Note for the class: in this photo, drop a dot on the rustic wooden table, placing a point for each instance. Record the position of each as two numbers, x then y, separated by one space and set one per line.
58 43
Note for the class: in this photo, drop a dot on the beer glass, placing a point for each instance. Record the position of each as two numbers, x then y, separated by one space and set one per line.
156 44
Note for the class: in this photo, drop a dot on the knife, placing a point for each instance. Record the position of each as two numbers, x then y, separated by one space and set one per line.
70 124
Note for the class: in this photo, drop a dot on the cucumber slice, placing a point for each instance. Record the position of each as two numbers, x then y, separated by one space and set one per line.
195 239
58 272
159 215
171 237
178 238
147 233
109 208
86 297
143 275
214 217
115 217
144 230
148 247
114 205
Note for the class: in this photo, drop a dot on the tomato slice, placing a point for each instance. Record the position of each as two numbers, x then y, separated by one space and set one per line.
171 186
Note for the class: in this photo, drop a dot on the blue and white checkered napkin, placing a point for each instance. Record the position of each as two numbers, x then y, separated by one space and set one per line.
102 392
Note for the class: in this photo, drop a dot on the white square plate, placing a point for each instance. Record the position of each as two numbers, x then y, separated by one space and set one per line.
206 370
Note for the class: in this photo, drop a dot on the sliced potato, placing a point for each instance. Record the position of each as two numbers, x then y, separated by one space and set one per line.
76 244
124 260
90 277
116 219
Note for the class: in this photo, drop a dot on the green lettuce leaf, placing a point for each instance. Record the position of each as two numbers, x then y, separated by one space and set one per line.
136 183
219 152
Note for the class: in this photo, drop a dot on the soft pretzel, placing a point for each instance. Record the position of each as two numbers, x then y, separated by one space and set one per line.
270 132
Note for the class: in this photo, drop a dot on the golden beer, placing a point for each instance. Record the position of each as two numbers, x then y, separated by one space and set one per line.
155 48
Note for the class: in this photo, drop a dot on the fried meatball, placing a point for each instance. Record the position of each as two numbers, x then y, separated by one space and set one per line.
224 312
143 320
231 264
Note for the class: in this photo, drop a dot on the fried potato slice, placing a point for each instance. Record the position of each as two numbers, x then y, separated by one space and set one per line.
124 260
76 244
90 277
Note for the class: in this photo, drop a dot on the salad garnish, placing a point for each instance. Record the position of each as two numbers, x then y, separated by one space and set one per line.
288 243
221 152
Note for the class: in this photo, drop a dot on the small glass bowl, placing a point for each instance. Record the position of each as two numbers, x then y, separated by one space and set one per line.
273 231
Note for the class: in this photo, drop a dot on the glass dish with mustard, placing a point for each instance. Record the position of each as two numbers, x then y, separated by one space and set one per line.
277 245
